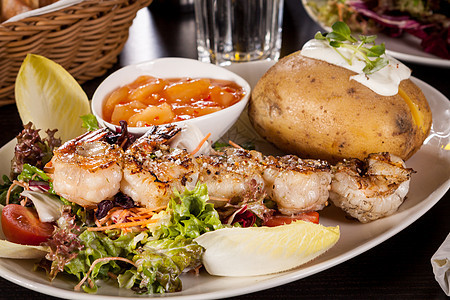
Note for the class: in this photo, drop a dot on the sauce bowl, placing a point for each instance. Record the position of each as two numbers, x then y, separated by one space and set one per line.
216 123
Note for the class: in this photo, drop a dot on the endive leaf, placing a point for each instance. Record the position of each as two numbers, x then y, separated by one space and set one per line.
47 95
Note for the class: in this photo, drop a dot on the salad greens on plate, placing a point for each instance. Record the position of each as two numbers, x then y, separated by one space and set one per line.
428 20
159 254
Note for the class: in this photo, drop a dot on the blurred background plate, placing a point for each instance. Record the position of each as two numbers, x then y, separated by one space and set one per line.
406 48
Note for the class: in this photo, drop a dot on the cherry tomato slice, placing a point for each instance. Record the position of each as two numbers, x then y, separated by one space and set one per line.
21 225
277 220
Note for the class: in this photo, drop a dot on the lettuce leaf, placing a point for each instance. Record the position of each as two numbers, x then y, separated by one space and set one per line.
158 267
29 171
37 181
190 215
160 254
14 193
99 245
172 250
89 122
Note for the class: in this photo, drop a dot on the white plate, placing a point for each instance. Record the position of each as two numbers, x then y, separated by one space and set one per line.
429 184
406 48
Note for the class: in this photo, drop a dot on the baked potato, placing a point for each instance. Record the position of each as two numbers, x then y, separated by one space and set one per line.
311 108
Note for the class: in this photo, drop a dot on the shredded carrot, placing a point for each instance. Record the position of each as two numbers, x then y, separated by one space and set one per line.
146 216
97 222
234 145
14 183
123 225
108 216
9 192
118 217
201 144
122 216
133 214
22 184
78 286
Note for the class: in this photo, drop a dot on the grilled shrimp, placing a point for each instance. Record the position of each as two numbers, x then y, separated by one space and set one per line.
297 185
231 173
372 189
86 170
153 170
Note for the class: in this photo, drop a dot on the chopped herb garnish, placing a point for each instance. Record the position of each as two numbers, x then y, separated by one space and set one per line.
341 37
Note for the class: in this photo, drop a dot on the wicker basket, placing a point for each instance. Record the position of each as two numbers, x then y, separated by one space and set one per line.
85 38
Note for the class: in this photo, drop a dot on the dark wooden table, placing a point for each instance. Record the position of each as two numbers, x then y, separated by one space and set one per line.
399 268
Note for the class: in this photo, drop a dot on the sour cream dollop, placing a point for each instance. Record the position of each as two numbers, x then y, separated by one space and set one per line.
384 82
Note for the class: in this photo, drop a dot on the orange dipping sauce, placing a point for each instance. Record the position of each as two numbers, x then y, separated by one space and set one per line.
153 101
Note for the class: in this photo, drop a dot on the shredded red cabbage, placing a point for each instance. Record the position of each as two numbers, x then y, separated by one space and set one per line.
38 186
245 218
433 32
400 22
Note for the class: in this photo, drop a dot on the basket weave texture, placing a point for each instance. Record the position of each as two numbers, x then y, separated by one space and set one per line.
85 38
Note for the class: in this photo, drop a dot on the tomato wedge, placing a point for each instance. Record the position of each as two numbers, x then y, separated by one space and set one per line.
21 225
277 220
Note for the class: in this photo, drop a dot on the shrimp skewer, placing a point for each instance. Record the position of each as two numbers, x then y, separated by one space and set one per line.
87 170
372 189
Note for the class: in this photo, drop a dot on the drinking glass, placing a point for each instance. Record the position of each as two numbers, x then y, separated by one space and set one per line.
230 31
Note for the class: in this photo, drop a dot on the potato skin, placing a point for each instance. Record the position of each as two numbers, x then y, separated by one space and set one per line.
311 108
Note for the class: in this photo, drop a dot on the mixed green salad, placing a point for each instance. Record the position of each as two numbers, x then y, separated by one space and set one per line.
145 250
149 260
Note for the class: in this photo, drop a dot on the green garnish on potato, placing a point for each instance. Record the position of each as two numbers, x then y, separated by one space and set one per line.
341 37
